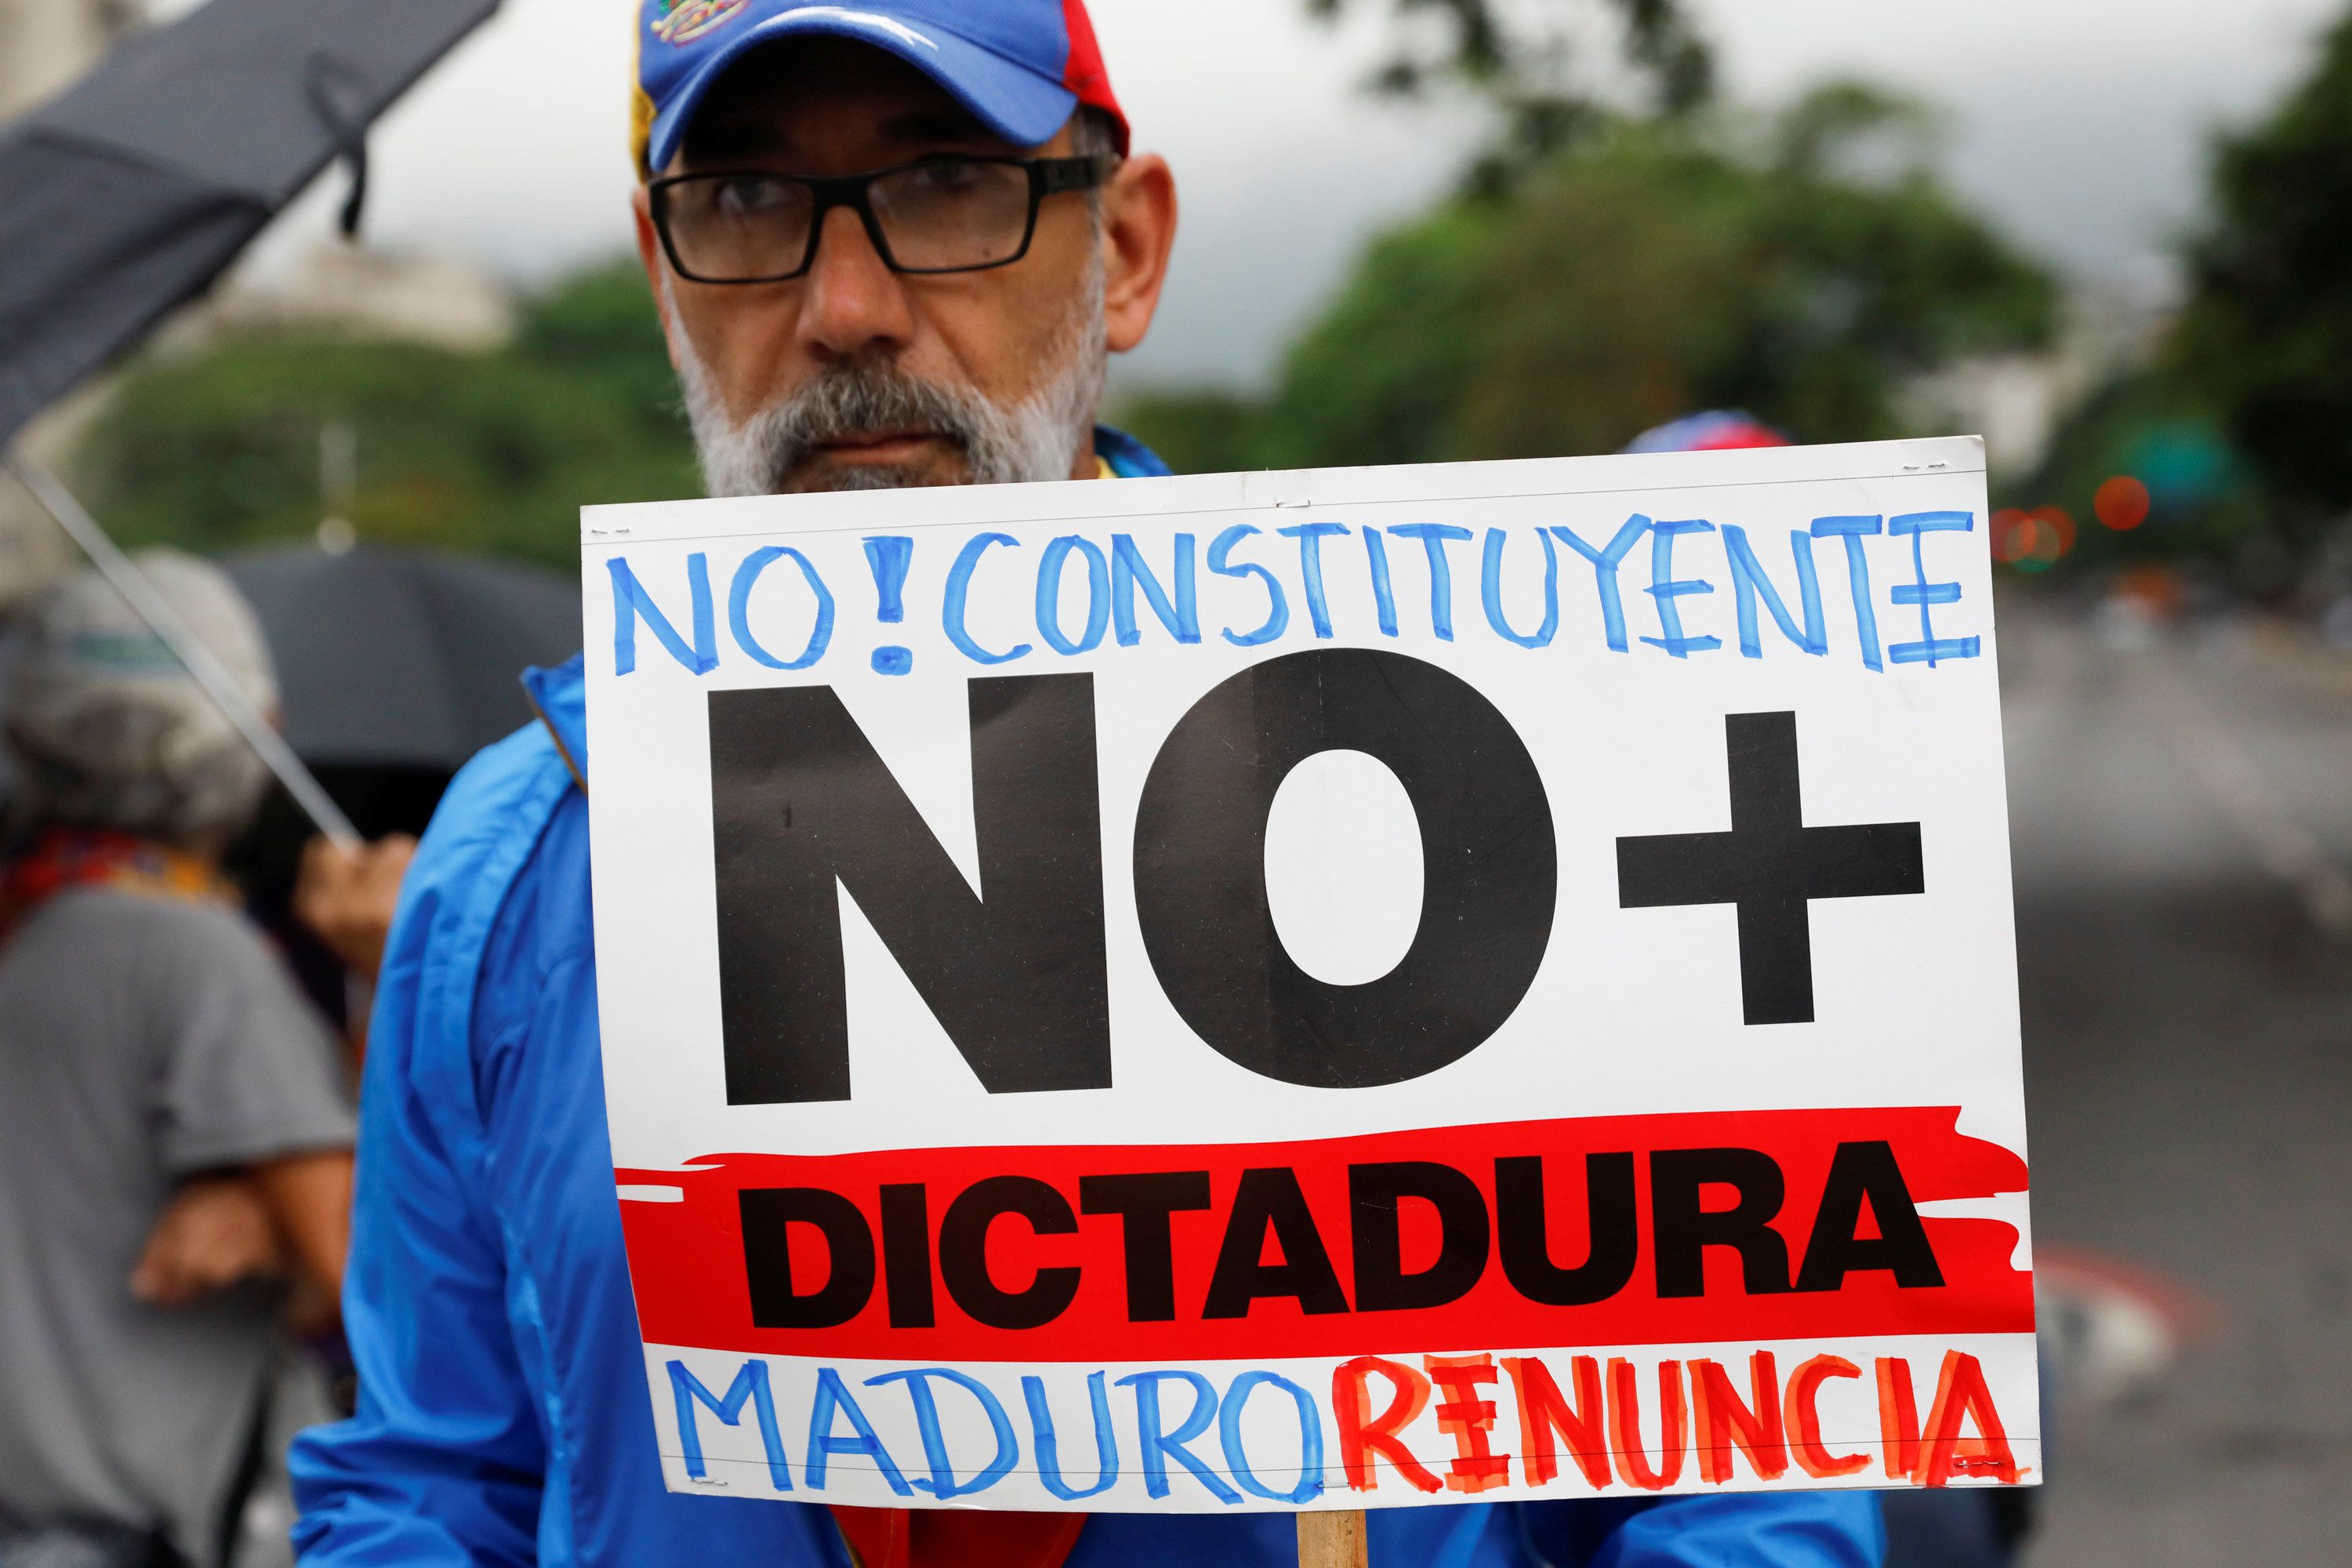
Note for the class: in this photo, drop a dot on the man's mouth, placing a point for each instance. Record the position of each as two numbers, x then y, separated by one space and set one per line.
878 446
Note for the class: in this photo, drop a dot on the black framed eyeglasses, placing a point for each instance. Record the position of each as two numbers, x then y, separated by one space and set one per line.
936 214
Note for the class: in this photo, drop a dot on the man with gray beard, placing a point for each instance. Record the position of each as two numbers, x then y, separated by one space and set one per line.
924 301
893 243
774 451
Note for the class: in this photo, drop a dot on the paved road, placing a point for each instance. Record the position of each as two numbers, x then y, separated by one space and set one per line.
2183 822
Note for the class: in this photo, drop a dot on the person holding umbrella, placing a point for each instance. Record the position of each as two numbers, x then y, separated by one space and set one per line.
893 244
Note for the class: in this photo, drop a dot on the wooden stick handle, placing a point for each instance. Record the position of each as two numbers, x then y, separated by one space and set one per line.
1331 1541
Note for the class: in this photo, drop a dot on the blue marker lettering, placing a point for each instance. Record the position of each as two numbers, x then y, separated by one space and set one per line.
1434 537
1748 580
1160 1445
1278 613
1310 1439
1310 537
889 556
739 608
1128 573
1668 592
1931 650
967 561
1049 595
833 1397
631 602
750 1384
1490 589
942 1483
1604 574
1049 1448
1376 556
1854 531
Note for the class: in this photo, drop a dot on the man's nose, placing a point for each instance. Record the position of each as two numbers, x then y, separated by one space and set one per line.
854 304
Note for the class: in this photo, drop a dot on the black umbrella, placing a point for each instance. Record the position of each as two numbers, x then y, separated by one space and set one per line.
398 658
126 196
394 668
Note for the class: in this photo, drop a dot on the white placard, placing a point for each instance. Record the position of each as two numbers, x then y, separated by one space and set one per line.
1316 990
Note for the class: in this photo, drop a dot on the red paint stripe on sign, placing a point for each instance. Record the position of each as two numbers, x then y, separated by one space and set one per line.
1606 1231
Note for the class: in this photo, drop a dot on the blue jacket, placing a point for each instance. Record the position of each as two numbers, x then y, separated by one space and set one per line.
503 1413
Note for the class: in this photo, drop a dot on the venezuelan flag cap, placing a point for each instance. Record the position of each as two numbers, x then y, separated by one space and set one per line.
1024 66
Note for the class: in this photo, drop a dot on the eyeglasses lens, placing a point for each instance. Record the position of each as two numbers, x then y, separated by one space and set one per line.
945 214
939 217
736 226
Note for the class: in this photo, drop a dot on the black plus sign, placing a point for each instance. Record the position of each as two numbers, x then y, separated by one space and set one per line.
1769 864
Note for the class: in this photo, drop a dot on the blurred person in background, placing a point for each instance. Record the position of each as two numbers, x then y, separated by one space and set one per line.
346 896
175 1137
893 245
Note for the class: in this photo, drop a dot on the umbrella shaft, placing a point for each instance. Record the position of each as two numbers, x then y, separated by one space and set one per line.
163 620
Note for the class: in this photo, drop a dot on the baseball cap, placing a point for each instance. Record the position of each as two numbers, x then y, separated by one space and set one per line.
1022 67
107 728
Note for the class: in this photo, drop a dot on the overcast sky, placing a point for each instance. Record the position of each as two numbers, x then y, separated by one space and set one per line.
2080 122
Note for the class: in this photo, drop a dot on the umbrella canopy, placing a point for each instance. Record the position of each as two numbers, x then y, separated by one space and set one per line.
404 658
126 196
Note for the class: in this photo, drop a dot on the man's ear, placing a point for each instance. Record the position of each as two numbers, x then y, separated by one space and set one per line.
657 265
1139 230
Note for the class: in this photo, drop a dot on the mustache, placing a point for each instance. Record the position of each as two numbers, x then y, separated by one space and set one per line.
1037 438
859 396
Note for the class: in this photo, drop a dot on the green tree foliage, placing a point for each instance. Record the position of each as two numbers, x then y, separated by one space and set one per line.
1521 60
493 452
1804 273
2267 333
1199 430
2238 429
